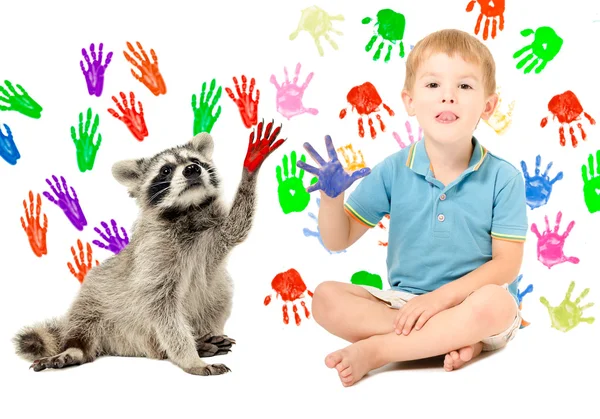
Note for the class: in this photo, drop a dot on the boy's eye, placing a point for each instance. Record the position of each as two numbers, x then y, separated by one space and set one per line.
465 86
432 85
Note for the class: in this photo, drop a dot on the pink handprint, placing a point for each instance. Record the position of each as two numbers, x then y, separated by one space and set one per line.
411 137
550 244
289 95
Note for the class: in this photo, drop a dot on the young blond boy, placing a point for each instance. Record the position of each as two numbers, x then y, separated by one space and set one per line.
457 225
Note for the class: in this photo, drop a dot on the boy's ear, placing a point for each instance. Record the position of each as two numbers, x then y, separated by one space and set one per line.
129 173
203 143
490 106
407 99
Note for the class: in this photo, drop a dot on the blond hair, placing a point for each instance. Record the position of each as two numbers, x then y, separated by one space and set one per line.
451 42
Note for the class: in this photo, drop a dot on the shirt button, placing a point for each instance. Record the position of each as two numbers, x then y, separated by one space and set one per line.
442 197
441 217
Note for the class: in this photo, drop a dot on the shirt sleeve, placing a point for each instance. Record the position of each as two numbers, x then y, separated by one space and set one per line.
370 200
509 219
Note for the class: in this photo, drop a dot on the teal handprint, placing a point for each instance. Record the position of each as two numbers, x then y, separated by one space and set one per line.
546 44
567 315
591 184
204 119
390 27
20 102
292 193
84 143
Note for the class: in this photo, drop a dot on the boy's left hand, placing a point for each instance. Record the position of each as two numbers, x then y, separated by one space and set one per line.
418 310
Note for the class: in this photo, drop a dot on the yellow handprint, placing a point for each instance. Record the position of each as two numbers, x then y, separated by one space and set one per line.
499 121
351 158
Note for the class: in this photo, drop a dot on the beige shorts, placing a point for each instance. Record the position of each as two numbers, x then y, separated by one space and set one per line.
397 299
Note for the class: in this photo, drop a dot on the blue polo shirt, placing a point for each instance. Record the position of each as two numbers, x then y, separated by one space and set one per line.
439 233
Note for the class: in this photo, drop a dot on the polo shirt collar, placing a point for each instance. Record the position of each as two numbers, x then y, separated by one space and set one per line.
418 160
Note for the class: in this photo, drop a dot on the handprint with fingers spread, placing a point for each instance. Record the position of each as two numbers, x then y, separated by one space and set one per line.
289 95
94 74
568 314
84 145
390 30
247 106
8 149
550 244
261 147
538 188
149 75
204 117
316 233
365 100
318 23
492 10
545 46
36 231
332 178
291 190
113 241
68 203
20 102
82 267
133 119
591 183
567 109
409 132
354 159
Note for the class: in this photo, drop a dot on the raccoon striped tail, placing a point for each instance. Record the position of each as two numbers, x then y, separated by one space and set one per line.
38 340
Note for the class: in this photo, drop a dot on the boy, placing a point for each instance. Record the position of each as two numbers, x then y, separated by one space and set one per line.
457 225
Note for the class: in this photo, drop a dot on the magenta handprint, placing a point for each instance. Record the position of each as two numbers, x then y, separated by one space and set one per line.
550 244
114 242
289 95
411 137
66 202
94 74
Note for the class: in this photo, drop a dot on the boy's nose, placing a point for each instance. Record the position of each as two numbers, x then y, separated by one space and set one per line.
445 100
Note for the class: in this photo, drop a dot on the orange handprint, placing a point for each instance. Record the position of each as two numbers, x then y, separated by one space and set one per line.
36 233
81 266
247 106
491 9
353 163
132 118
150 74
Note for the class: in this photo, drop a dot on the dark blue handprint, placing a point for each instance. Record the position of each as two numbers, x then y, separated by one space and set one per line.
8 148
69 204
114 242
311 233
94 75
333 179
520 295
538 188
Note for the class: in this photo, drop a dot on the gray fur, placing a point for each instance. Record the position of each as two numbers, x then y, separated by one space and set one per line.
167 294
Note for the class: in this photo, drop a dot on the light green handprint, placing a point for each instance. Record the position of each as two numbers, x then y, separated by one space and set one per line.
390 27
546 44
85 146
568 314
293 196
20 102
203 110
366 278
591 183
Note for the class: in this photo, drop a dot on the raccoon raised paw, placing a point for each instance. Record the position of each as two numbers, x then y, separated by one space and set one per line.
210 369
209 345
61 360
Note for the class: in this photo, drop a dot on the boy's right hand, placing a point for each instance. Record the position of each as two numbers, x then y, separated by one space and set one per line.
333 179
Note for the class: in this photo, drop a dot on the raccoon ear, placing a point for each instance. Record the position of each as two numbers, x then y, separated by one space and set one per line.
203 144
128 173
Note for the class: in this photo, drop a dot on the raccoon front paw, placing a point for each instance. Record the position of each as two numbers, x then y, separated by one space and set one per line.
209 345
57 361
210 369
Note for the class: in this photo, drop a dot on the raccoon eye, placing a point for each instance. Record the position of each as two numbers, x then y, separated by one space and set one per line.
165 170
194 160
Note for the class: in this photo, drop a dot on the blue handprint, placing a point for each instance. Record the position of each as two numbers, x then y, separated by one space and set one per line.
8 148
520 295
69 204
333 180
538 188
317 234
114 242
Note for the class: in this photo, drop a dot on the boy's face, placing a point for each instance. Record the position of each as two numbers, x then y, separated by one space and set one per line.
448 98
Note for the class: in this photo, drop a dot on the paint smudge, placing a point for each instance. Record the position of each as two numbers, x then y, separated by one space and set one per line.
568 314
520 295
80 261
389 27
566 108
94 74
150 76
85 147
293 196
289 95
538 187
367 278
318 23
384 225
317 233
204 115
36 231
550 244
247 106
132 118
19 102
8 149
366 100
290 287
545 46
493 10
500 121
591 183
68 203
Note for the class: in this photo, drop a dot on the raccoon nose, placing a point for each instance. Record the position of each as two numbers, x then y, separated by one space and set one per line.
191 171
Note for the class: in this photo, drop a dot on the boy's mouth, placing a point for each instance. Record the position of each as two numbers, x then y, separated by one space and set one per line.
446 117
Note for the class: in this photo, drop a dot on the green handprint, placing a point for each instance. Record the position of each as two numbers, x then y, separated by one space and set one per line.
390 26
86 149
366 278
20 102
293 196
546 44
568 314
591 184
203 110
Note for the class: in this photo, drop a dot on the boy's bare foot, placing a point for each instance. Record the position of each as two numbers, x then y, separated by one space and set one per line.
354 361
457 359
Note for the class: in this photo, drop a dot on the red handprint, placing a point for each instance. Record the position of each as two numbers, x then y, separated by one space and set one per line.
290 287
81 266
490 9
36 233
259 150
131 117
150 75
566 108
384 228
247 106
366 100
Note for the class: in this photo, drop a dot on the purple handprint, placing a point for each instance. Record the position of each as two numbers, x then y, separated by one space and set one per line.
114 242
550 244
289 95
333 179
411 137
69 204
94 75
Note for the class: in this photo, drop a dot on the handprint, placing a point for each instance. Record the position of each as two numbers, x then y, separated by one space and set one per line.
546 44
520 295
204 119
150 74
317 22
550 244
114 242
490 9
538 188
8 148
384 226
20 102
94 75
367 278
291 191
591 183
247 106
69 204
84 145
289 95
500 121
390 27
133 119
260 149
366 100
566 108
312 233
354 160
82 267
411 137
333 180
568 314
36 232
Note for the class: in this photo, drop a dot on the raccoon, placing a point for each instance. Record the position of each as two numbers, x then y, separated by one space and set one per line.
167 294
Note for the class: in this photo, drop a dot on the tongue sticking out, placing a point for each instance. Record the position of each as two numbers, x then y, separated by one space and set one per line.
446 116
